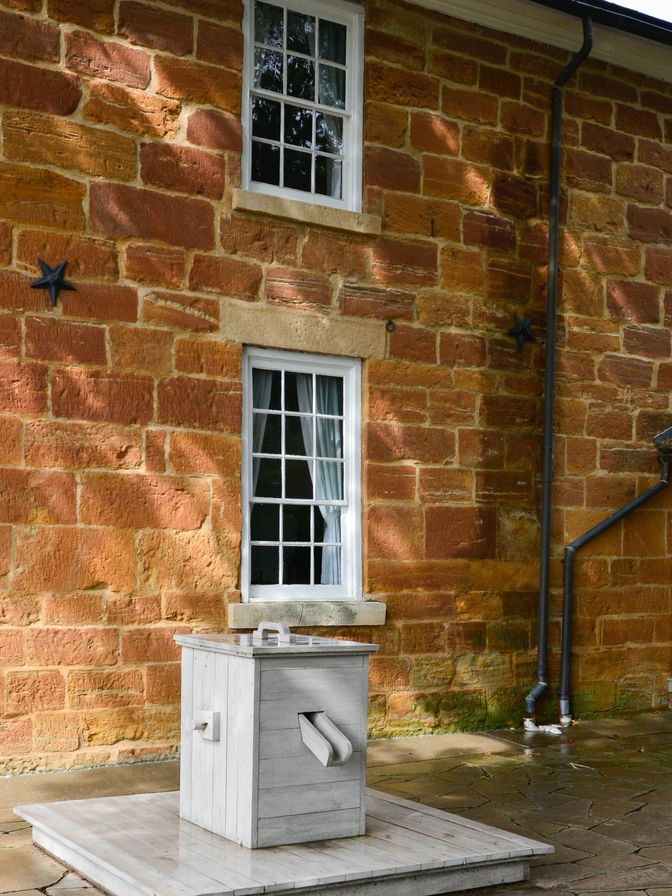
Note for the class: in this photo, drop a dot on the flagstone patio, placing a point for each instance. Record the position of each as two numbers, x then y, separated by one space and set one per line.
601 793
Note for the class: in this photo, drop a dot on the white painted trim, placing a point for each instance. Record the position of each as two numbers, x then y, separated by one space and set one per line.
351 525
549 26
352 16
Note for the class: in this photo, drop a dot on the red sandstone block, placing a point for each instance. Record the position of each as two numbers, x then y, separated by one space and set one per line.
633 300
611 87
102 396
167 31
394 531
28 38
31 87
19 610
469 105
5 243
10 443
220 46
639 122
155 265
627 631
413 344
519 118
222 10
16 737
471 43
658 265
67 558
138 501
97 688
451 407
604 423
51 339
466 532
129 609
488 230
438 485
401 87
640 182
581 105
395 49
10 336
206 127
163 683
105 59
372 301
652 152
289 286
11 646
626 371
388 442
503 487
259 239
23 387
514 196
194 452
32 691
96 15
391 169
181 311
404 405
507 411
609 256
404 261
73 609
588 171
37 498
155 450
385 124
333 253
92 646
101 301
155 645
125 211
226 276
145 350
198 83
421 217
38 196
450 67
200 403
462 270
434 134
453 179
87 258
81 445
212 358
389 482
488 147
132 110
650 225
226 512
647 342
462 350
183 169
613 143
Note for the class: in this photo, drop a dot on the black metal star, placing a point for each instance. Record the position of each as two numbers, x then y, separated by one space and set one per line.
52 280
521 331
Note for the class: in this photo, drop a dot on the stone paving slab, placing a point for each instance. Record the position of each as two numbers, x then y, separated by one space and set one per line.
601 793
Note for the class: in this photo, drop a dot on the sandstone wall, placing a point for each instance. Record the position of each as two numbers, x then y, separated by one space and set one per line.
120 409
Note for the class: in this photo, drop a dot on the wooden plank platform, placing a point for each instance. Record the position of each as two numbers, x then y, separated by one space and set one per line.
139 846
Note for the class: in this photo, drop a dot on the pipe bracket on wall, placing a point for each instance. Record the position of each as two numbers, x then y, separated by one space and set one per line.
325 740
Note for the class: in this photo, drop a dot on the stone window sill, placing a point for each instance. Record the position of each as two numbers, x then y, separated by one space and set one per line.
306 212
307 614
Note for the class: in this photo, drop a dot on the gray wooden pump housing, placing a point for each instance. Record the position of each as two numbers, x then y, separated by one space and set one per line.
274 730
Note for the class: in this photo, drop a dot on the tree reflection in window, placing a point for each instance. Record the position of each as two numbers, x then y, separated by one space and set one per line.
298 57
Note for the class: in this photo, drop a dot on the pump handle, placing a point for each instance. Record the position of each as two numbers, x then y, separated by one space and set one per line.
280 628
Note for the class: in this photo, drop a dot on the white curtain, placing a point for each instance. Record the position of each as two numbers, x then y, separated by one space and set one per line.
262 382
328 476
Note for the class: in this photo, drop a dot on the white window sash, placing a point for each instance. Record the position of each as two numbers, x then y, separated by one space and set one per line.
349 370
344 13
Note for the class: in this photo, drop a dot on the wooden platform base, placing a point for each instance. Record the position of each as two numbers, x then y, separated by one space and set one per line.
139 846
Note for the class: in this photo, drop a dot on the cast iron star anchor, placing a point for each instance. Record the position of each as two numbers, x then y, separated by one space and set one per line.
521 331
52 279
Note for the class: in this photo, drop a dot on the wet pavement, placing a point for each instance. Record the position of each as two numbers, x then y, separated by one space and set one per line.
601 793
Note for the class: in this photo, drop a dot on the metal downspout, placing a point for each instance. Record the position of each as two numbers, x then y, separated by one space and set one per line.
549 385
568 585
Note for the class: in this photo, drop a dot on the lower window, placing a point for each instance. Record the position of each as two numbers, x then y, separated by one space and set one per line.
301 472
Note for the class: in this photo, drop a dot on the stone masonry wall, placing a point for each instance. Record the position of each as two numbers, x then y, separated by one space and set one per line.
120 409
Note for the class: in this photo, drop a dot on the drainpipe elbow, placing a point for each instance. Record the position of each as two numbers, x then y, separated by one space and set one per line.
531 699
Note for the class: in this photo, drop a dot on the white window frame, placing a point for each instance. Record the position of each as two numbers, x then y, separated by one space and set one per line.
351 532
352 16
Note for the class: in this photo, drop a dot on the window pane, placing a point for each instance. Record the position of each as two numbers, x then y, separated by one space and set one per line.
296 522
299 435
318 525
265 118
330 395
332 41
268 70
269 479
265 565
296 566
328 177
268 24
300 33
329 480
300 78
297 170
265 163
329 133
291 395
270 435
332 86
327 565
265 525
298 126
299 483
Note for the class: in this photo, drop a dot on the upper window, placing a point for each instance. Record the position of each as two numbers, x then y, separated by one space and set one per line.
301 512
302 101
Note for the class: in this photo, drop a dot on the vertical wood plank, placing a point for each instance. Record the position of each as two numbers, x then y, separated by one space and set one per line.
185 732
202 750
221 759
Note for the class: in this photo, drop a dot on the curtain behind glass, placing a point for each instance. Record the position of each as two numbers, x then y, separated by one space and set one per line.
328 477
262 382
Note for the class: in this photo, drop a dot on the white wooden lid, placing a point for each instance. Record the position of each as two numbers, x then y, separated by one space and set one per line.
273 639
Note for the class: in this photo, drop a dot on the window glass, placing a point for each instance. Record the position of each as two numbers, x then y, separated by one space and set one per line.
332 41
